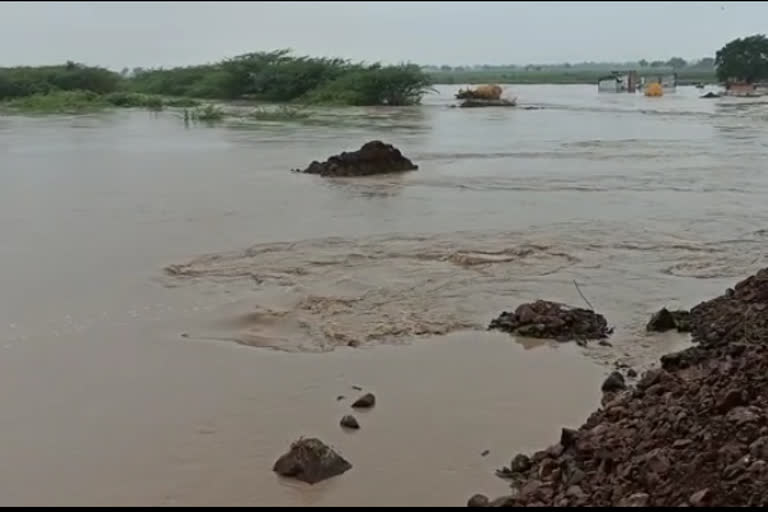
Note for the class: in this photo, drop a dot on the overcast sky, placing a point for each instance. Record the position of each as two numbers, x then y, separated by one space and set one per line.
130 34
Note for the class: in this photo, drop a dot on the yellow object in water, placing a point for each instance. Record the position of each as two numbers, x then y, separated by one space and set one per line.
655 89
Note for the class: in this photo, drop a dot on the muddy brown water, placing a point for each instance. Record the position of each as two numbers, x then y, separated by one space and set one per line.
643 201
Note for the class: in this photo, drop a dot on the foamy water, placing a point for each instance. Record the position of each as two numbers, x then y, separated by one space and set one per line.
642 201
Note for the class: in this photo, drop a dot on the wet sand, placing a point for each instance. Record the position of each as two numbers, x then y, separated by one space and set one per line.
104 402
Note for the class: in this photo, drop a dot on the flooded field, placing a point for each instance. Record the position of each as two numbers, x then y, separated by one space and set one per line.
177 307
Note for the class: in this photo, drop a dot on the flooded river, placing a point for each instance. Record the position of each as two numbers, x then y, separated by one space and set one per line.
177 307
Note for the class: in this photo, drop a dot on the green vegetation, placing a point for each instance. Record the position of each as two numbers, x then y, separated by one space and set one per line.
274 77
743 60
279 77
702 70
58 102
207 113
281 113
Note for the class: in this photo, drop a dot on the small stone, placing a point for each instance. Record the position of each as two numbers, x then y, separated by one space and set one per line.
639 499
700 498
614 382
311 461
681 443
731 399
631 373
605 343
485 453
575 492
365 402
357 388
568 437
741 415
350 422
478 500
353 343
340 398
520 464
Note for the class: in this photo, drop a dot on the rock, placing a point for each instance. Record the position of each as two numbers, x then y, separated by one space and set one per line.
631 373
357 388
614 382
605 343
661 321
485 453
340 398
350 422
575 492
373 157
694 432
311 460
700 498
639 499
568 437
365 402
665 320
520 464
552 320
478 500
730 400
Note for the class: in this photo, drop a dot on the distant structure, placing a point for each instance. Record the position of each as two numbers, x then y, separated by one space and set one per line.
668 82
618 82
743 89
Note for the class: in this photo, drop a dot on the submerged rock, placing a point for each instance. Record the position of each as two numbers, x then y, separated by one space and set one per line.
365 402
311 461
546 319
374 157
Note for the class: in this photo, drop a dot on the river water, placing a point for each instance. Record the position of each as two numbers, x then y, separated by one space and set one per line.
177 307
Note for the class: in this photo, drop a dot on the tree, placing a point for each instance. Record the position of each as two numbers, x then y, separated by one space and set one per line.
743 60
643 63
676 63
706 62
657 63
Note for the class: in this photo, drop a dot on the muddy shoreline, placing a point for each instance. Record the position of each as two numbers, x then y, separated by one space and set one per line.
693 432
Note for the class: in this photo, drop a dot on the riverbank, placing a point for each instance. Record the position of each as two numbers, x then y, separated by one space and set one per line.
693 432
684 77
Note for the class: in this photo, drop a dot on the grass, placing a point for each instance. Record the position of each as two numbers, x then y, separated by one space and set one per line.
281 113
208 113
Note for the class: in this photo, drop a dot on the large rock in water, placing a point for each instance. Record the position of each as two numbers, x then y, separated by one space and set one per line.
545 319
374 157
311 461
664 320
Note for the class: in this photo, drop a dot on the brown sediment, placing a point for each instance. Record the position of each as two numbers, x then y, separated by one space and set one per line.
694 432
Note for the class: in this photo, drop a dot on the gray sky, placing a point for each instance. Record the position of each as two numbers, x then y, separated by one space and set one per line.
116 34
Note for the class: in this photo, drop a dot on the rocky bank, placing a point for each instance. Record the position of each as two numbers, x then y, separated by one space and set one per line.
691 433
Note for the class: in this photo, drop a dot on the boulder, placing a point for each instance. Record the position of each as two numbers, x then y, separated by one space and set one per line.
310 460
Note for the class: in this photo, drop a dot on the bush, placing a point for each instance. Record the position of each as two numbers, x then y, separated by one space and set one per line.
376 85
59 102
27 81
